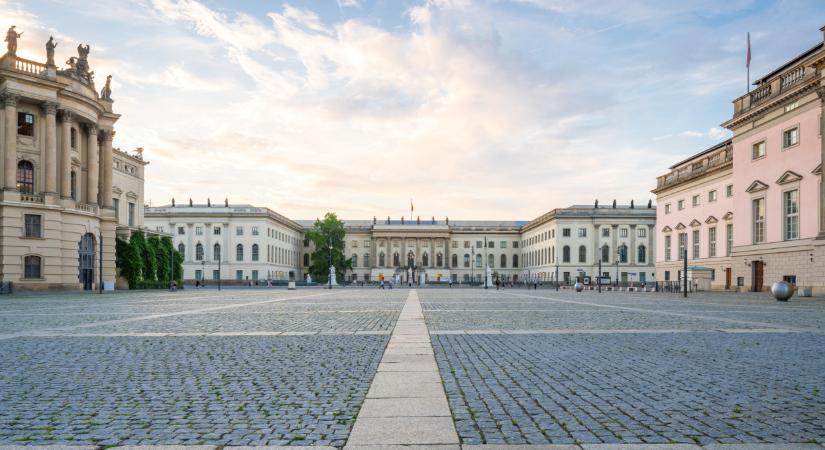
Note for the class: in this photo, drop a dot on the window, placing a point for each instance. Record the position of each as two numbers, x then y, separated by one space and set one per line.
502 244
582 232
182 250
605 232
582 254
216 231
216 274
255 253
478 261
491 261
712 196
641 255
729 191
181 231
466 260
199 231
25 126
366 259
515 244
354 260
116 207
503 261
73 137
667 208
565 254
491 244
466 244
255 231
198 274
25 177
131 214
759 150
216 252
791 204
623 232
791 106
239 252
623 254
515 261
32 265
641 232
695 244
790 137
680 205
711 242
239 275
696 200
454 260
199 252
682 245
238 231
454 244
565 232
306 259
32 226
605 254
367 244
73 185
758 211
729 238
667 248
478 244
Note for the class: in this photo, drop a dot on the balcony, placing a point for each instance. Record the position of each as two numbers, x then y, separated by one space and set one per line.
31 198
707 164
778 85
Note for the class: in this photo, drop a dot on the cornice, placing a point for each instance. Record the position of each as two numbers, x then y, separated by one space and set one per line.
761 110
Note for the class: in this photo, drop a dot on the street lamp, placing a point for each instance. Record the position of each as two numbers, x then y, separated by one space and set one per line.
486 263
329 275
219 272
599 276
203 272
618 256
472 265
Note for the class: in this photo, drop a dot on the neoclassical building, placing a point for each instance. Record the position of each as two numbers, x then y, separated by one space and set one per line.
404 250
58 183
762 191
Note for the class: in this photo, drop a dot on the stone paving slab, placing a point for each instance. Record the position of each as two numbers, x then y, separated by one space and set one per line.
409 407
403 430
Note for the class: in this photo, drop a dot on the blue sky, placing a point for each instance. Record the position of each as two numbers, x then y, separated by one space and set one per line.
482 109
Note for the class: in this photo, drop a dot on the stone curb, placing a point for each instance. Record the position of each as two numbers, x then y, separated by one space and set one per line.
789 446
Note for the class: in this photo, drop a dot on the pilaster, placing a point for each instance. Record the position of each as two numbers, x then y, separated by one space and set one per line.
10 145
66 118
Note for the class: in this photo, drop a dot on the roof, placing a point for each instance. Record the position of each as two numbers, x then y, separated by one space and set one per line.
718 146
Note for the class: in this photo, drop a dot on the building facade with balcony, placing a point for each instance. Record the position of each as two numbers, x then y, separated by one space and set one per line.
779 201
695 213
56 135
572 241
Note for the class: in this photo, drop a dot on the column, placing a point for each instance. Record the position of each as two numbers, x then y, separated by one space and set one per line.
92 163
614 256
10 147
821 93
105 182
66 117
50 162
597 250
631 252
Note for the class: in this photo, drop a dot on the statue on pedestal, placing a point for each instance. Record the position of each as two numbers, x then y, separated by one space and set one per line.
11 38
488 280
106 92
50 46
332 281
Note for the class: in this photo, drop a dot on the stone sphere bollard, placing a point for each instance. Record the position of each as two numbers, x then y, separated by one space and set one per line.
579 287
782 291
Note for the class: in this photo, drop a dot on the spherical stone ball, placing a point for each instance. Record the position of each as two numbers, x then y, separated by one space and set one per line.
579 287
782 291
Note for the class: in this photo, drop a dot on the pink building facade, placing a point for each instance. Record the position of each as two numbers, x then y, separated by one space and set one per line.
771 197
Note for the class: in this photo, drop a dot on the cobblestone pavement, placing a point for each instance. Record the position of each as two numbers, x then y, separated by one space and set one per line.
184 386
538 367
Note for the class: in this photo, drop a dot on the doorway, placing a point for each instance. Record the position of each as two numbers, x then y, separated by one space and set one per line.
86 261
758 269
728 277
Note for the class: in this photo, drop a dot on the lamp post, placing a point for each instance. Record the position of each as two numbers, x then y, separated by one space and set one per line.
557 274
599 276
684 272
100 260
203 272
329 275
472 265
486 263
219 273
618 256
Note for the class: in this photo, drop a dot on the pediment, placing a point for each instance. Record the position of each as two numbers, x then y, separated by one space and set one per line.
695 223
789 177
711 219
728 216
117 190
756 186
818 170
667 229
131 194
680 226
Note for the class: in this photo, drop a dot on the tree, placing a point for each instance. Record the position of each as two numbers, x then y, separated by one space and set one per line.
144 263
324 233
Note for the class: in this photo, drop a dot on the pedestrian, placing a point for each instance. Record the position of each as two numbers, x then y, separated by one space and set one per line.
535 285
381 285
173 286
450 282
498 284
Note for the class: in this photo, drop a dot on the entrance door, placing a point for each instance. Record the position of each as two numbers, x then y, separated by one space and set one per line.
86 261
728 278
757 276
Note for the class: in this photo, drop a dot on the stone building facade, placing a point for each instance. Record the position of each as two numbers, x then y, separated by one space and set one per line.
56 135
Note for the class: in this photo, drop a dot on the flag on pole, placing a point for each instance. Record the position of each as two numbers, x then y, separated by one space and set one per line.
748 57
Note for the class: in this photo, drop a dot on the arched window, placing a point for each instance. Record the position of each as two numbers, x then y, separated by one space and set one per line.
478 261
254 252
454 260
410 259
565 254
396 261
466 260
642 255
582 254
425 259
439 260
216 252
306 259
199 252
503 261
239 252
366 259
182 250
553 254
25 177
491 261
605 254
381 259
515 261
354 260
623 254
32 265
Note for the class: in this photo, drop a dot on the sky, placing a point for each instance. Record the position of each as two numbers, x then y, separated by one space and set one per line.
480 109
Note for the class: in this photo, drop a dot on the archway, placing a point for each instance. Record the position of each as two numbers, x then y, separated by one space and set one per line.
86 261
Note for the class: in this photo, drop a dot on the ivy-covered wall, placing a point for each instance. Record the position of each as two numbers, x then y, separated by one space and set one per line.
147 263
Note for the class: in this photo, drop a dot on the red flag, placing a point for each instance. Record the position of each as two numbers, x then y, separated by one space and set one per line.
748 58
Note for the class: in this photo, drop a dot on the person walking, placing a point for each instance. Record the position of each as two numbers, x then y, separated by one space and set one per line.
498 284
381 285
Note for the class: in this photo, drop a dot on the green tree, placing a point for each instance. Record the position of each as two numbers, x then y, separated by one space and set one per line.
162 258
150 263
127 262
326 233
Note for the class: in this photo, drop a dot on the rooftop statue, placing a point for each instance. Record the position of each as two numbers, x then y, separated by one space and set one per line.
11 38
50 46
106 92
